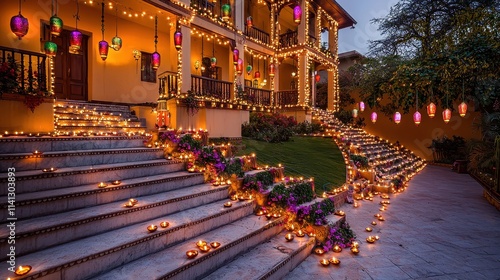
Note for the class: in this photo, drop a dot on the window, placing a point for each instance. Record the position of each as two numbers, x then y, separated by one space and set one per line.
148 74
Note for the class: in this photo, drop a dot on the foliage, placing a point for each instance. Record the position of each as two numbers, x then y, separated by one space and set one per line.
315 214
307 128
360 161
481 156
269 127
188 144
191 103
234 166
448 150
210 158
341 235
289 197
258 181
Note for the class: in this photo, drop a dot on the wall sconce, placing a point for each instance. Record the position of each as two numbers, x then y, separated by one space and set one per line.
197 65
137 54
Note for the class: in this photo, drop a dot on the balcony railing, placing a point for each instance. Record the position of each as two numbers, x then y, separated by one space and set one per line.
203 5
286 97
168 81
289 39
207 87
257 34
258 96
28 70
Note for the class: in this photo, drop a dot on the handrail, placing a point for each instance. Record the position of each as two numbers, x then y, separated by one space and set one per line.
257 34
258 96
289 39
167 84
286 97
207 87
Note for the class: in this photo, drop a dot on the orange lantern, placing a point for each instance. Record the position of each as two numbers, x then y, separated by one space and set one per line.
431 110
446 115
462 109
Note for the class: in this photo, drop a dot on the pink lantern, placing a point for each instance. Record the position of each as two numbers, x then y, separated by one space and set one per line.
249 22
239 66
462 109
236 55
297 13
19 25
178 40
155 60
373 117
397 117
256 75
417 117
361 106
272 70
75 40
446 115
431 110
103 49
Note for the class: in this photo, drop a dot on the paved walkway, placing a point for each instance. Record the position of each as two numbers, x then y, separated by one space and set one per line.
440 228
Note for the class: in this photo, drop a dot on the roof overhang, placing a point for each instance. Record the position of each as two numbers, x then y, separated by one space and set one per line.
334 9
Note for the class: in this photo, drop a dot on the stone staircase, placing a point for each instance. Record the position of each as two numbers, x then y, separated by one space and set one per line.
67 227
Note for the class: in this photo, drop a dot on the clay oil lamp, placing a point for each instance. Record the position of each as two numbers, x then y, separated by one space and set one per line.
152 228
334 261
368 229
228 204
102 185
269 216
374 223
164 224
215 244
319 251
259 213
381 218
337 249
22 270
340 213
37 153
205 248
300 233
49 170
289 237
133 201
370 239
116 182
324 262
201 243
191 254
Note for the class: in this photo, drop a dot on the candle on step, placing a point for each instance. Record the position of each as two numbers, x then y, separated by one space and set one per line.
192 254
22 270
152 228
334 261
215 244
164 224
324 262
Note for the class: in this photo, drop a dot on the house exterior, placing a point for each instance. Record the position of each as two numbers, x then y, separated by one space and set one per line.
219 60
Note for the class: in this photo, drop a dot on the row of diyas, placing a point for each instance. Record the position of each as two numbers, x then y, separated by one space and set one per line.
204 247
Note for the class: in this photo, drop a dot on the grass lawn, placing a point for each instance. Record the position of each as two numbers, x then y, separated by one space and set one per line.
302 156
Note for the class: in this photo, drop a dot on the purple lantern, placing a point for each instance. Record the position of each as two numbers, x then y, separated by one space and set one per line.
397 117
75 40
155 60
178 39
103 49
19 25
236 55
373 117
297 14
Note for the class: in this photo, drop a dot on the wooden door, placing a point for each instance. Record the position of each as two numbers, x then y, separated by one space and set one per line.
70 68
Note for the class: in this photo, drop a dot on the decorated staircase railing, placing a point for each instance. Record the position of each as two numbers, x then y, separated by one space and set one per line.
207 87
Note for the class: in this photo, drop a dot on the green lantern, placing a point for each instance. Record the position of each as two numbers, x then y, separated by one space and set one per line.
249 69
226 12
56 25
50 48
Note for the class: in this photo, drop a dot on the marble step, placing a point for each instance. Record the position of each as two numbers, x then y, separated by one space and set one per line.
91 106
235 238
17 144
98 123
43 232
91 116
94 255
270 260
102 129
27 161
36 204
37 180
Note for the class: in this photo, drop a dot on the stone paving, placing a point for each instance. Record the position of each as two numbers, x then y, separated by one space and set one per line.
439 228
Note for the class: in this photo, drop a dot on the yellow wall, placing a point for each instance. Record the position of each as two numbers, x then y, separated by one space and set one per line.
17 117
118 78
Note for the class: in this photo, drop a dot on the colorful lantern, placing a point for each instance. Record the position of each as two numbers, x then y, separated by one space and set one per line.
239 66
272 70
75 40
256 75
19 25
417 117
397 117
249 69
462 109
431 110
226 12
178 39
297 14
56 25
50 48
362 106
354 113
213 62
155 60
116 43
249 22
317 78
103 49
373 117
236 55
446 115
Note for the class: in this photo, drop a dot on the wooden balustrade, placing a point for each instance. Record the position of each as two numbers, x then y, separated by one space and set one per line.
167 84
289 39
207 87
286 97
258 96
257 34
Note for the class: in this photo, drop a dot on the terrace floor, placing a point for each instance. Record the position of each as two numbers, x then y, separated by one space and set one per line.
439 228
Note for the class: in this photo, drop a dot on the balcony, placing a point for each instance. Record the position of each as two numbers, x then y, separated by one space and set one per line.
258 96
257 34
284 98
209 88
289 39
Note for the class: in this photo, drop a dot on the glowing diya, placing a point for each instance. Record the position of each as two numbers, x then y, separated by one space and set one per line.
191 254
269 216
370 239
129 204
319 251
102 185
289 237
133 201
152 228
259 213
376 215
368 229
334 261
164 224
215 244
337 249
340 213
48 170
300 233
22 270
201 243
205 248
374 223
381 218
234 197
37 153
228 204
324 262
116 182
355 250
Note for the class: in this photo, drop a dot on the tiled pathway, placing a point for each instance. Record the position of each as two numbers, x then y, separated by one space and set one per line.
440 228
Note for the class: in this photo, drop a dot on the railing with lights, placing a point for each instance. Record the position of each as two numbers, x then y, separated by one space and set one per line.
29 69
289 39
203 5
258 96
207 87
168 81
255 33
286 98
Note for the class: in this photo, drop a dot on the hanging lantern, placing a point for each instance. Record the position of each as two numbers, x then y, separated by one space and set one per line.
373 117
256 75
446 115
75 40
56 25
239 66
178 39
354 113
213 62
297 13
155 60
397 117
249 22
431 110
19 25
362 106
103 49
116 43
417 117
50 48
249 69
236 55
317 78
272 70
226 12
462 109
